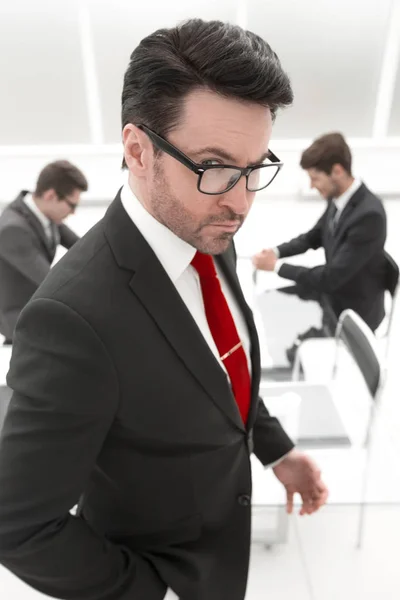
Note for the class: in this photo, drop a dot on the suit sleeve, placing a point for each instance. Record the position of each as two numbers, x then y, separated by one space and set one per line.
312 240
64 402
363 240
271 442
19 248
67 237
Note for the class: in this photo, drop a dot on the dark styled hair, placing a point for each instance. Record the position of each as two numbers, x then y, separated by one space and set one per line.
61 176
170 63
325 152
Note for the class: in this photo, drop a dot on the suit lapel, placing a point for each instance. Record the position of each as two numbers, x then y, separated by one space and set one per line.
346 213
152 286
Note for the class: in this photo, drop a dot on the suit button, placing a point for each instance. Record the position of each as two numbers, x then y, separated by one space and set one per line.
244 500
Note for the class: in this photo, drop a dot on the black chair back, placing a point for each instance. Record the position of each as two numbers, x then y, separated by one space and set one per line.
391 274
360 342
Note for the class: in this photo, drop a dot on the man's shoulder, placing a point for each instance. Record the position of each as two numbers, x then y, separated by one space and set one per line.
87 281
370 200
12 220
83 270
366 204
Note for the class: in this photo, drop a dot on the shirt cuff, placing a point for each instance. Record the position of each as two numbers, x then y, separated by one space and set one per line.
276 463
277 267
276 250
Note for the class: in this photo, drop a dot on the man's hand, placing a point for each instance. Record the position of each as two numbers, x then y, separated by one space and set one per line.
300 475
265 260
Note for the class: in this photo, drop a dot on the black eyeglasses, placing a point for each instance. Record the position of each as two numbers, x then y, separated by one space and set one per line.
71 205
218 179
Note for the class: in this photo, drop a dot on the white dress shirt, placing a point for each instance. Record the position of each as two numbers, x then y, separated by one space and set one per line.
175 256
44 221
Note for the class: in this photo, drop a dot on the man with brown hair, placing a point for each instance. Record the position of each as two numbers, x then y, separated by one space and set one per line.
31 227
136 365
352 231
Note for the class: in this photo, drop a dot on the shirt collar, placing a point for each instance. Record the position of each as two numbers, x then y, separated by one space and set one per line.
174 254
31 204
343 199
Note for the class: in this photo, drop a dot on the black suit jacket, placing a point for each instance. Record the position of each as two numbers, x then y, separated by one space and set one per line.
25 259
354 273
119 401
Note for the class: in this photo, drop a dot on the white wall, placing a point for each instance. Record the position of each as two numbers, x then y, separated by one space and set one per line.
62 63
377 163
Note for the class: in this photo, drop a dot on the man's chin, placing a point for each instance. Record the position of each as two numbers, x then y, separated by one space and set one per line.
215 246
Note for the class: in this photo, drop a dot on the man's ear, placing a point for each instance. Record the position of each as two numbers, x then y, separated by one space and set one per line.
138 150
337 170
49 195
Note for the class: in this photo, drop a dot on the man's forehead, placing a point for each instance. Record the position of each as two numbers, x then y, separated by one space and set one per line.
203 106
315 172
211 122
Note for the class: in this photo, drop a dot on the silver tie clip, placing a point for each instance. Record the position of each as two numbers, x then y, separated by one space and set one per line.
231 351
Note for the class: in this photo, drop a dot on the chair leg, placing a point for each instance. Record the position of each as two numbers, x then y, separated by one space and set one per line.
296 366
282 528
283 525
364 485
361 526
361 517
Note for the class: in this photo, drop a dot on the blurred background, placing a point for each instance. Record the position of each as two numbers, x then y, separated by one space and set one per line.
61 70
62 64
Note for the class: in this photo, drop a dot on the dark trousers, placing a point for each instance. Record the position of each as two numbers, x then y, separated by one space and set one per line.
293 313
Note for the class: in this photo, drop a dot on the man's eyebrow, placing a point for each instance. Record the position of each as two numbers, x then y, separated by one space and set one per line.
220 153
214 151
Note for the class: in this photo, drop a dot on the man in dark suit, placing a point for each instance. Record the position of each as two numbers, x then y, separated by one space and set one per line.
352 231
31 227
135 366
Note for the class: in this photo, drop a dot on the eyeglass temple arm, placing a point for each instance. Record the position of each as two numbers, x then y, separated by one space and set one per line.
171 150
272 157
162 144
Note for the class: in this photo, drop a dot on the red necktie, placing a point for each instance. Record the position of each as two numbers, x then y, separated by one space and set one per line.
223 330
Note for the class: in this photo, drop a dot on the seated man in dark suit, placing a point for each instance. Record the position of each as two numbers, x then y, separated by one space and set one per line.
31 227
352 231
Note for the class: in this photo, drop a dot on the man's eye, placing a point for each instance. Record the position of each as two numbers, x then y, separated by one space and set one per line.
211 161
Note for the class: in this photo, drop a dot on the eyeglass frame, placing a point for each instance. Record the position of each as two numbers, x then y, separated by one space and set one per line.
162 144
71 205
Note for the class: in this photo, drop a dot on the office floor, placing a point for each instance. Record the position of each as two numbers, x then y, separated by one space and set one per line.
319 561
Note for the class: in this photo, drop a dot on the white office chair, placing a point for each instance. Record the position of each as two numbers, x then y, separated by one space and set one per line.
346 403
